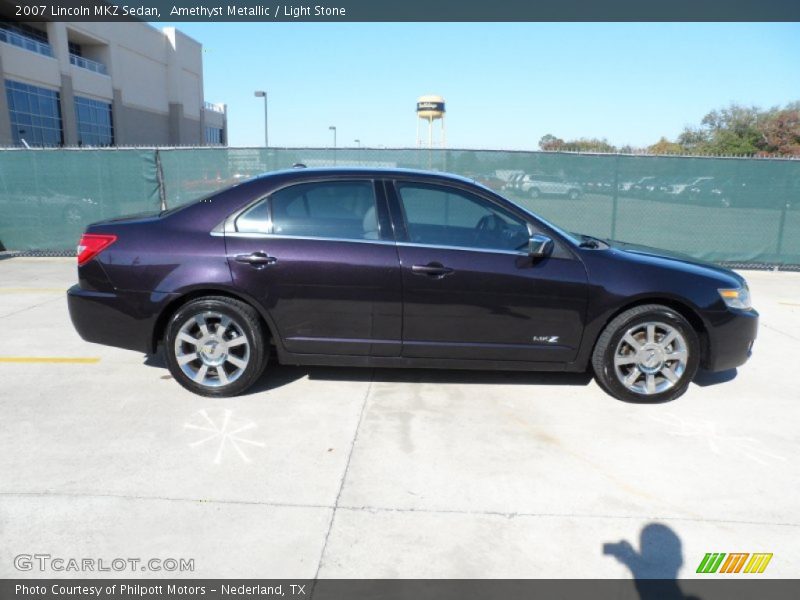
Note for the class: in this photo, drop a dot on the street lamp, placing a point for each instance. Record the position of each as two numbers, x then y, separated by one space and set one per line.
262 94
358 142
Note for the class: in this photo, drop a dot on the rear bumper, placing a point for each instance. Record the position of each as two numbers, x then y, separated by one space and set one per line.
731 340
122 319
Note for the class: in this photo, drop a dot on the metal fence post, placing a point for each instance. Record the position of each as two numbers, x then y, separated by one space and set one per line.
162 192
615 198
781 227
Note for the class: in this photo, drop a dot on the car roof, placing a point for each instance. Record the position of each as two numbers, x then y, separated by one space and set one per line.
345 172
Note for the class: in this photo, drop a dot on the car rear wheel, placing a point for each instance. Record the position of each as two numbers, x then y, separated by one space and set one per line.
574 194
215 346
649 353
534 192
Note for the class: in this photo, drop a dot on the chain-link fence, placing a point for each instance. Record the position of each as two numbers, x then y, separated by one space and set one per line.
722 209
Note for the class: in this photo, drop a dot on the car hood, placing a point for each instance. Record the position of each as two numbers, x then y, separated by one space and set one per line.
660 255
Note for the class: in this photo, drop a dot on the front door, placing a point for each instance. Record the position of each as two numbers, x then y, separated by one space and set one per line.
319 259
471 291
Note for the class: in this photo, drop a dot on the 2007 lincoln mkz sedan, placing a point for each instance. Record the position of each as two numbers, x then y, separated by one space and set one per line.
395 268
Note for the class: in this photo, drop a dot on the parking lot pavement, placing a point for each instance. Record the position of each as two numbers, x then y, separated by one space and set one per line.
382 473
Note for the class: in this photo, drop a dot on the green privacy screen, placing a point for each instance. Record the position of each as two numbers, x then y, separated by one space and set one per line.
721 209
47 197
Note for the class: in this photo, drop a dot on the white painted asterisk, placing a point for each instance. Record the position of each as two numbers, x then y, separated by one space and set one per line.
224 432
718 442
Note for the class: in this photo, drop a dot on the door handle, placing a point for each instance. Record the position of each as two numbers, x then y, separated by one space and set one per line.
257 259
435 270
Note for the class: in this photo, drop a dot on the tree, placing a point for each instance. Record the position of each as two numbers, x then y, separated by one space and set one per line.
549 142
552 143
664 146
590 145
693 139
781 131
731 130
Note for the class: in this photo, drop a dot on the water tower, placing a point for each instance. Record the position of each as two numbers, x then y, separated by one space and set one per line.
430 109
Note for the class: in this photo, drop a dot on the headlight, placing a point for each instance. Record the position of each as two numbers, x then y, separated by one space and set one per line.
736 298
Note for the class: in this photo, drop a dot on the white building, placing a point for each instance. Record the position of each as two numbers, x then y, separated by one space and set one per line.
103 84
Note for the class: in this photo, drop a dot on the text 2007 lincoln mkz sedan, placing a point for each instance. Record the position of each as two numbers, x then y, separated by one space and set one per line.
394 268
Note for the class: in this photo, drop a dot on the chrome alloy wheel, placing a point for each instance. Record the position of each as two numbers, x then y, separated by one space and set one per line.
650 358
212 349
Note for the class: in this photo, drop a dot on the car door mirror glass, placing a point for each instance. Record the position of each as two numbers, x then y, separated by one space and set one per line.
540 245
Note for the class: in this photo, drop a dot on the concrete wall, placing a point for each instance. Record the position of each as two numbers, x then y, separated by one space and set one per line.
30 67
140 127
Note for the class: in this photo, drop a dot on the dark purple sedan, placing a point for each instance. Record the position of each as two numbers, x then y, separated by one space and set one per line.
395 268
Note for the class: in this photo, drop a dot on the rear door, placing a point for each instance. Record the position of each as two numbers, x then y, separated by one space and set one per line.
471 291
321 258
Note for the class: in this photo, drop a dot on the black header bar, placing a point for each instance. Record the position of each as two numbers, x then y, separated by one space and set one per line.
404 10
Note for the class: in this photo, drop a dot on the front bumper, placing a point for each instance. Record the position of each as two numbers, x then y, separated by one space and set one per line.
122 319
730 339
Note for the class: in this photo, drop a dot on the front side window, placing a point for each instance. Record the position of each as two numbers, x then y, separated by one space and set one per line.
333 209
441 216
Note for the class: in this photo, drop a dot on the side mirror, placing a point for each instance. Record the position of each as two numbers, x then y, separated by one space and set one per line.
539 245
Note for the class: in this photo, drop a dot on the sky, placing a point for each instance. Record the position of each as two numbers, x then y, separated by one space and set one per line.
505 84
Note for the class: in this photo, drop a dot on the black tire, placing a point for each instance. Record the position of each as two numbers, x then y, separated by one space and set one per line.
534 192
245 322
609 342
574 194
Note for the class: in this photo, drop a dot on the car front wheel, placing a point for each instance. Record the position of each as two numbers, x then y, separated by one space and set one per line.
649 353
215 346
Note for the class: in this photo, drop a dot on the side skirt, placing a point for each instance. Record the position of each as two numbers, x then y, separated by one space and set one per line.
340 360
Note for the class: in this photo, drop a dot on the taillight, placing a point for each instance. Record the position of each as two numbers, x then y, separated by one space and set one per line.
92 244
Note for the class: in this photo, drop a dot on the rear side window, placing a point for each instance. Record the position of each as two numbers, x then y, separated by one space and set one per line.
332 209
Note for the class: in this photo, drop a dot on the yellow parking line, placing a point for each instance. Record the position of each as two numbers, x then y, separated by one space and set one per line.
85 360
43 259
31 290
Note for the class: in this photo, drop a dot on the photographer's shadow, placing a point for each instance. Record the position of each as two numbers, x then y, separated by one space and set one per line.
655 567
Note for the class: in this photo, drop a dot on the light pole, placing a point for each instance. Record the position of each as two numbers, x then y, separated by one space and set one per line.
358 142
263 94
